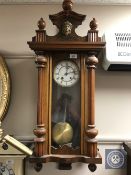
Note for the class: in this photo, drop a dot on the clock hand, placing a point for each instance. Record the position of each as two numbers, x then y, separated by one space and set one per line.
66 66
71 72
66 70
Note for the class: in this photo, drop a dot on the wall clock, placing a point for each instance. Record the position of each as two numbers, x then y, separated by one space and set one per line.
4 88
66 64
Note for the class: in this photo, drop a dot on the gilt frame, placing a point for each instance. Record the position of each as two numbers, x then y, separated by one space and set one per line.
4 88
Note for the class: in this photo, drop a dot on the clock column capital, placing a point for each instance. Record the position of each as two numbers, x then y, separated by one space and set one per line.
41 61
91 61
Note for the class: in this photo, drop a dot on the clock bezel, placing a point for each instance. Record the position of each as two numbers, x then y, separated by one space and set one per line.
76 67
5 88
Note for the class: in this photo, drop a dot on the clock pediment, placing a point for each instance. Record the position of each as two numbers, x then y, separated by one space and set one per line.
66 39
67 21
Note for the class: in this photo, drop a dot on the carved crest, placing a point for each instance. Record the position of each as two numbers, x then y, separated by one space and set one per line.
66 21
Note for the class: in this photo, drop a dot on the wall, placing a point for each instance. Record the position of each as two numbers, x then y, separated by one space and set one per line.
113 96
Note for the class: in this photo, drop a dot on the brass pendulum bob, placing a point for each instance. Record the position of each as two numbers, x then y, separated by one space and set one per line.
62 132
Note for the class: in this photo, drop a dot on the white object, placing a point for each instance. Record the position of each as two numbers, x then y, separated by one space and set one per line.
117 55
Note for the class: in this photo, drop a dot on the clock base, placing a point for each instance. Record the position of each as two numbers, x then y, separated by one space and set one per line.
65 161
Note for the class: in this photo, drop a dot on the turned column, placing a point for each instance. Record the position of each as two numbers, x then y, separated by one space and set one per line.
40 131
91 132
42 104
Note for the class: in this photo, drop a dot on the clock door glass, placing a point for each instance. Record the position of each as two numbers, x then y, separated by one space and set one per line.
66 102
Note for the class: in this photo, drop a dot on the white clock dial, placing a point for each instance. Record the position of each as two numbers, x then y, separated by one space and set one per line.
66 73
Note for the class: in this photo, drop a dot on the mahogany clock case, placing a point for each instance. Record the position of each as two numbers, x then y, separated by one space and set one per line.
66 130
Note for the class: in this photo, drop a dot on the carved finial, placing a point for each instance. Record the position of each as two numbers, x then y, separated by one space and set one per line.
67 5
93 24
41 24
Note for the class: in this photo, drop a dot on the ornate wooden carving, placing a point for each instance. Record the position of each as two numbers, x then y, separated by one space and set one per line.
66 40
67 19
41 33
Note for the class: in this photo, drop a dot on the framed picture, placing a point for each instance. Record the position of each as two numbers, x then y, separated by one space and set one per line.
4 88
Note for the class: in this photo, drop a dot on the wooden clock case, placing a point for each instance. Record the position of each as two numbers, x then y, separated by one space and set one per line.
88 47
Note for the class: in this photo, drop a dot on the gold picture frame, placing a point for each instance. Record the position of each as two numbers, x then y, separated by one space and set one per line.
4 88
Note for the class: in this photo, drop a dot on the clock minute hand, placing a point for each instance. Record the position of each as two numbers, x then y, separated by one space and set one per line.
66 70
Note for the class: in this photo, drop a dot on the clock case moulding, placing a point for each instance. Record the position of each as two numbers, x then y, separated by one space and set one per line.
68 41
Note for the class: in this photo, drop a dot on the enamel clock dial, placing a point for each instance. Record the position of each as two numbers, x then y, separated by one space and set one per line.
66 73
